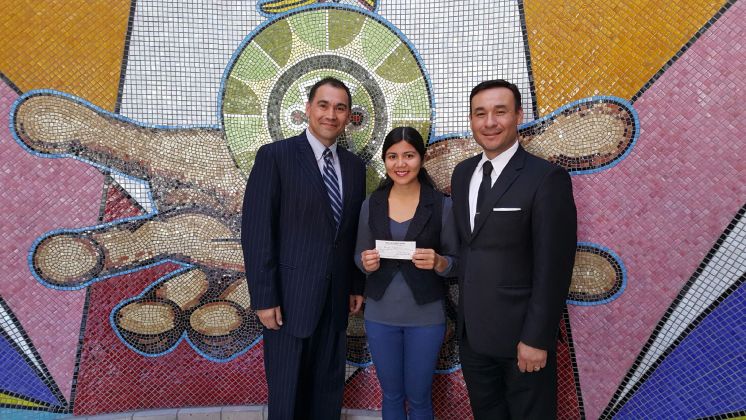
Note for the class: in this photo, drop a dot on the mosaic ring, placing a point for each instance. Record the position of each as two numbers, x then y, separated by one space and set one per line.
268 80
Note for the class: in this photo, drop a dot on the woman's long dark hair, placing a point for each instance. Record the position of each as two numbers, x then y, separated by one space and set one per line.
413 137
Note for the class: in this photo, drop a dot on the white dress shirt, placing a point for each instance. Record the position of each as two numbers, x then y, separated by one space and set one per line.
318 152
498 164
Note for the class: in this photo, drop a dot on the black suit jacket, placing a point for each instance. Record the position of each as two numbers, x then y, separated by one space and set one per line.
516 266
292 251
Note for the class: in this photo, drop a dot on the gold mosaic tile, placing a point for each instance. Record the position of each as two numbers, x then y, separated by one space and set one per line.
582 48
75 46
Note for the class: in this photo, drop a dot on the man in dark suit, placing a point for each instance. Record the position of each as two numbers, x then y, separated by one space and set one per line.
300 217
516 219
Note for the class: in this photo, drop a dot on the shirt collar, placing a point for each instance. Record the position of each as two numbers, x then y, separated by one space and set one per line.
318 147
500 160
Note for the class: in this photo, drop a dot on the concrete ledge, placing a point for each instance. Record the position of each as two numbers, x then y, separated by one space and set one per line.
166 414
354 414
199 413
240 412
244 412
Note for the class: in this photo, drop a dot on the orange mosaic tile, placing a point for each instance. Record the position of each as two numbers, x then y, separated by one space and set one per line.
582 48
84 44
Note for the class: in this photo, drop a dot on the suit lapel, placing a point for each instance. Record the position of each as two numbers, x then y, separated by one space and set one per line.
378 219
504 181
307 161
463 186
422 214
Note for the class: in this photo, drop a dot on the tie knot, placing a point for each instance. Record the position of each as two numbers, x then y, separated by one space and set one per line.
327 153
487 168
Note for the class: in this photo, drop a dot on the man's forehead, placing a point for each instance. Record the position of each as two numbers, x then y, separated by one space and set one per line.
493 104
332 101
497 97
330 94
495 92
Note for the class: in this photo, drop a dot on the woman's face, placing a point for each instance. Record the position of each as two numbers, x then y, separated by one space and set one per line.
403 163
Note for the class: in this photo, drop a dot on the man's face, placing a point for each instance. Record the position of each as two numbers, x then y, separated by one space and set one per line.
494 120
328 113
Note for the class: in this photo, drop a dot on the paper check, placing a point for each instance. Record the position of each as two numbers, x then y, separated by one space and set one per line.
396 250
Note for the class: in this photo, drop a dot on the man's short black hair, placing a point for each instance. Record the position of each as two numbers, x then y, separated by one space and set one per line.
331 81
497 83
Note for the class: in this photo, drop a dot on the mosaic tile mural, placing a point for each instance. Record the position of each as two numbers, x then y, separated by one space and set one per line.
132 126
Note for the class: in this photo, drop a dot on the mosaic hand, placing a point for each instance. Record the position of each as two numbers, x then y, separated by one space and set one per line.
190 166
561 137
196 188
186 235
197 191
211 308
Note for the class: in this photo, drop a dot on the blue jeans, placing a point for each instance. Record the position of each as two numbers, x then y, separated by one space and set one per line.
405 359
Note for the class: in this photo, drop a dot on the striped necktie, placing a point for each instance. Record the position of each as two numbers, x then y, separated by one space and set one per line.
332 185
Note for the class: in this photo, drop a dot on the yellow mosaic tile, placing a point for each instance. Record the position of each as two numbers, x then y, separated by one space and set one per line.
11 400
84 44
582 48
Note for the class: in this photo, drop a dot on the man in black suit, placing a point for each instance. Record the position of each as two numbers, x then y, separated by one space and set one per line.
516 219
300 217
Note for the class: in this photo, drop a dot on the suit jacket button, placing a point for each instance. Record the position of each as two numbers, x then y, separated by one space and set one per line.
328 276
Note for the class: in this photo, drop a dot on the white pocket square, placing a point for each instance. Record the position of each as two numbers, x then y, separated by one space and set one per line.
506 209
